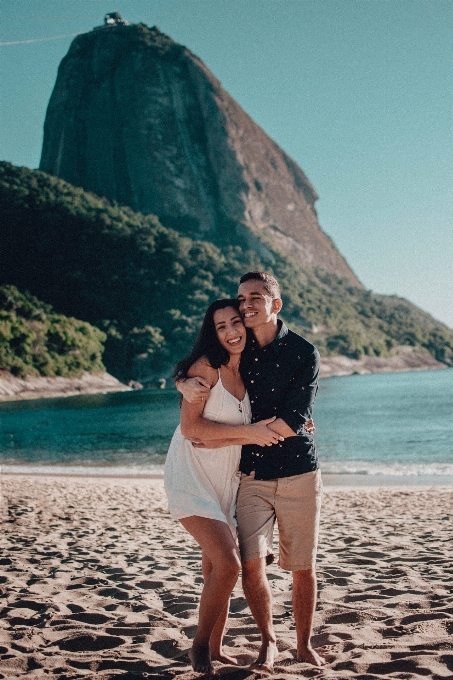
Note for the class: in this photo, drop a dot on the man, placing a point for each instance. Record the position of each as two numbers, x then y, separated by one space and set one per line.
281 482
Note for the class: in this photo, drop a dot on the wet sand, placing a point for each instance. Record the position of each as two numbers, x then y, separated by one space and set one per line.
99 582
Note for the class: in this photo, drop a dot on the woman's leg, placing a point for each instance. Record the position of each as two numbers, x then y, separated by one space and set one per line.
215 641
217 543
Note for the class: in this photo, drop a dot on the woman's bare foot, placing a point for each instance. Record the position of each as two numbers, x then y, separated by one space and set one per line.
266 657
223 658
200 658
309 655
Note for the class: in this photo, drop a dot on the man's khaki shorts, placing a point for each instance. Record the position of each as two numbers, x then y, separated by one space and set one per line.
295 502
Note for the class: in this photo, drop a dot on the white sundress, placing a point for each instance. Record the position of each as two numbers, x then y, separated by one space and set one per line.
204 482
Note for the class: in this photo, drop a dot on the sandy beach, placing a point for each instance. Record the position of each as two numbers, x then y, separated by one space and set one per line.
99 582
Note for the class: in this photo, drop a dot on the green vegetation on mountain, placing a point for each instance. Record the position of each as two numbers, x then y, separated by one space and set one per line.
147 286
36 341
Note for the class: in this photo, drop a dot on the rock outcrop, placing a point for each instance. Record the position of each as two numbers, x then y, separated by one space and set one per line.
402 358
13 389
141 120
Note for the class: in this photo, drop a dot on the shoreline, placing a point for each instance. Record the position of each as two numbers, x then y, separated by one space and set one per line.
19 389
99 583
32 388
331 480
401 359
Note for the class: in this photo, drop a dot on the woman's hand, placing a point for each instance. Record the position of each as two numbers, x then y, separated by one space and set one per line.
213 443
262 435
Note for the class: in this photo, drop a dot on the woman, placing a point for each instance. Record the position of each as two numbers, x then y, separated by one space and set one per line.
201 483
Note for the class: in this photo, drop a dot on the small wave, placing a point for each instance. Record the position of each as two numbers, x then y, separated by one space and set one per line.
389 470
139 470
85 470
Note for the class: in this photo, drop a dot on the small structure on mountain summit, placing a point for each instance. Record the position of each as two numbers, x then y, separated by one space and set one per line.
113 19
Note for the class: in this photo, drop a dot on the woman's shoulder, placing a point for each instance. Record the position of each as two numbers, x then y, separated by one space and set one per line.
201 367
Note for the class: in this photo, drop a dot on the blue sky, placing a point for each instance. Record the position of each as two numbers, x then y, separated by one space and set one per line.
358 92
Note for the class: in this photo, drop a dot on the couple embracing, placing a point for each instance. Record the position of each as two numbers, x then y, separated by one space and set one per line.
243 457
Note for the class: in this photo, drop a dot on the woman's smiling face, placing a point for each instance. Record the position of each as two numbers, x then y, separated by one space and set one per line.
230 329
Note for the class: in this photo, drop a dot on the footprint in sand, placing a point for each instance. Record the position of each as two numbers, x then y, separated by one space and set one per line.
29 604
89 643
415 618
399 666
115 593
150 585
347 617
92 619
25 617
394 632
139 626
169 649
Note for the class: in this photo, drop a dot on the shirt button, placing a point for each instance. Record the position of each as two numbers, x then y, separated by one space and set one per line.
272 389
252 381
256 358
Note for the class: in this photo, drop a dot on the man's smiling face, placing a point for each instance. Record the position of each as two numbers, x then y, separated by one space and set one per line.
256 305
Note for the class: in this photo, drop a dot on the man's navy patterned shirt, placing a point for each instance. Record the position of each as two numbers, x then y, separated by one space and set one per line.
282 380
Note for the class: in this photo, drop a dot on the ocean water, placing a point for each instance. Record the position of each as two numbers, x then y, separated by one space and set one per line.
397 425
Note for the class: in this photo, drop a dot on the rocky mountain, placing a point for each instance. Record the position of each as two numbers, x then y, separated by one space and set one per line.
141 120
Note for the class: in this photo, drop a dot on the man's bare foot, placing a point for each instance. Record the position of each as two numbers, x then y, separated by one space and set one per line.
224 658
309 655
200 659
266 657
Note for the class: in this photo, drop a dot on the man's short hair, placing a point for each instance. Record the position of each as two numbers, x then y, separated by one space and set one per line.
269 282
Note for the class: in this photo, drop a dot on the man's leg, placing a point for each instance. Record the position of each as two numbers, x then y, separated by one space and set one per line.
259 597
298 504
304 605
256 518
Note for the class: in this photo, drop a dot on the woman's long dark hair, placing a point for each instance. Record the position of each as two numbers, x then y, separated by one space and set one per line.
207 343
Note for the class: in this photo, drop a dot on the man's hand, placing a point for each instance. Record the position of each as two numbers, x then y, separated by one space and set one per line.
282 428
194 390
309 426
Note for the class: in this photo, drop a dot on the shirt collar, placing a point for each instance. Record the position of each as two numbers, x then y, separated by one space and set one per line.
277 342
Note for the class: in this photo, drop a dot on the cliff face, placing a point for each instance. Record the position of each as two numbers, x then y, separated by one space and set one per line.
139 119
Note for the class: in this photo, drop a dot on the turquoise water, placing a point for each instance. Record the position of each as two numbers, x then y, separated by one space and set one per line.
398 424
